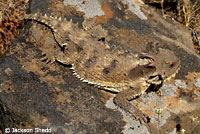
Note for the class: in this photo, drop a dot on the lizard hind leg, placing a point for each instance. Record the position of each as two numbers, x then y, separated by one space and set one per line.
122 100
69 55
63 58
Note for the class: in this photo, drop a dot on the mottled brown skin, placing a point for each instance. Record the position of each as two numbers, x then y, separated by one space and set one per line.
112 68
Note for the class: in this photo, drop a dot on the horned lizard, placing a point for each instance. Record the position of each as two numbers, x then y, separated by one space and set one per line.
113 68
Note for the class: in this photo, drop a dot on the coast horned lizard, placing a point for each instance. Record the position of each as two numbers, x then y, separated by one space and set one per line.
112 68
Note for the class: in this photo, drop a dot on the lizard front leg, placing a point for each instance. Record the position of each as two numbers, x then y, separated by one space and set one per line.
122 100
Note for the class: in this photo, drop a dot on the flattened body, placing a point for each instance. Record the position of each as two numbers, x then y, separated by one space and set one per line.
111 68
96 61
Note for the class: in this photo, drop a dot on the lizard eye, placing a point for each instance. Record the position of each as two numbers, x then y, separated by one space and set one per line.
171 64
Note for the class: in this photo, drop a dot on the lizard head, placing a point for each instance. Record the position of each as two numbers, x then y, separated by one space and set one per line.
167 64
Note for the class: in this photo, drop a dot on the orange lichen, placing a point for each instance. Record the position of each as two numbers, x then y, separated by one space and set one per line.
11 25
9 29
108 14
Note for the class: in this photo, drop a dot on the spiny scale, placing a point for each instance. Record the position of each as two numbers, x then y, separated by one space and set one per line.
43 19
58 26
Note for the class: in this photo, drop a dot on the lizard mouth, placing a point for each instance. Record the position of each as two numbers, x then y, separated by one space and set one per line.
154 78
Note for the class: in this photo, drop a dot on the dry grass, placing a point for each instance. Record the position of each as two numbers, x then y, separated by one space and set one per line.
190 12
186 12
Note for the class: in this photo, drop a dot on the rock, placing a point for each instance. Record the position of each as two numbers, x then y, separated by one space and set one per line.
34 94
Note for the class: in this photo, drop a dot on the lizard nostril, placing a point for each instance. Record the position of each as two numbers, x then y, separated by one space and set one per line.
165 73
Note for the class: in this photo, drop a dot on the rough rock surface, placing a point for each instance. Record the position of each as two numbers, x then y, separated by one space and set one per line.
36 94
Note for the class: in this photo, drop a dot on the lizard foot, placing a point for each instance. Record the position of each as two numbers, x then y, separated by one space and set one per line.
122 100
140 116
48 58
